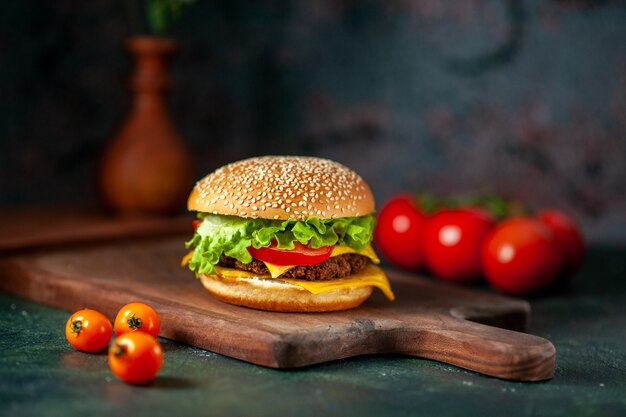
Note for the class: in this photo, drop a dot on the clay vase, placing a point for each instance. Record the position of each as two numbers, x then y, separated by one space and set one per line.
146 168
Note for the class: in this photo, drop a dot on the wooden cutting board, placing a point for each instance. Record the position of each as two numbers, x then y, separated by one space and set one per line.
428 319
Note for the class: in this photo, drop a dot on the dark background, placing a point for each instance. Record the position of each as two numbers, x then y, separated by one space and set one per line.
526 98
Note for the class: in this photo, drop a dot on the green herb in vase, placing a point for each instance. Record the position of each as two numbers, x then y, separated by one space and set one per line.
155 17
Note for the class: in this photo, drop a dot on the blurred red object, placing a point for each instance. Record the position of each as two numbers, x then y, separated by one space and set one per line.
398 233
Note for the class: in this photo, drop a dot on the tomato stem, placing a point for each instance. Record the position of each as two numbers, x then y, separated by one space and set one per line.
134 322
77 326
119 350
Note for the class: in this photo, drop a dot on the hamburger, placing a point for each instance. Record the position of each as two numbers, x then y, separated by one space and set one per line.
285 233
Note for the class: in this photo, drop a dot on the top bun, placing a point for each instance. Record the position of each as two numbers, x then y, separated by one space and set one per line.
283 188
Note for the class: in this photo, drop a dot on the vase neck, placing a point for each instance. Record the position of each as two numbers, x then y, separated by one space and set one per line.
149 100
150 75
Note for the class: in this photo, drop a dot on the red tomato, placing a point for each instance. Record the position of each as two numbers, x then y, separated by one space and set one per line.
521 256
300 255
195 223
568 236
88 330
135 357
398 232
137 317
453 241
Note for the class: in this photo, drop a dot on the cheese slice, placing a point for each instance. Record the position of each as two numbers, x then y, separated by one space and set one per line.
236 273
277 270
366 251
186 258
371 275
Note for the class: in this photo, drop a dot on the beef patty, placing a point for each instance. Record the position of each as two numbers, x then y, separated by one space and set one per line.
336 267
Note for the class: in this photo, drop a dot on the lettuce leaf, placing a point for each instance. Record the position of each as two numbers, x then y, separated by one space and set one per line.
232 235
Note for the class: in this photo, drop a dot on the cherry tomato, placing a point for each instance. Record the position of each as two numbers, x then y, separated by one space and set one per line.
398 232
195 223
135 357
300 255
88 330
521 256
568 236
453 241
137 317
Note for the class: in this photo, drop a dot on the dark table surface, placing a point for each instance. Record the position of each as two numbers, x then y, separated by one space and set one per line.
41 375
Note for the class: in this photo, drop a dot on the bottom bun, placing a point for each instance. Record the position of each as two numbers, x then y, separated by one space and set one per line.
275 295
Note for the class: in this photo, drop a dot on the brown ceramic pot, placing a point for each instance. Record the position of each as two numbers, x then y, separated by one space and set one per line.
146 168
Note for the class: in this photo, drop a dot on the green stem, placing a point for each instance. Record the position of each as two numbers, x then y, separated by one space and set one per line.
77 326
134 322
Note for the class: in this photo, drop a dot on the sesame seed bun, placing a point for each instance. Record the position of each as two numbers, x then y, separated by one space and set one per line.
283 188
275 295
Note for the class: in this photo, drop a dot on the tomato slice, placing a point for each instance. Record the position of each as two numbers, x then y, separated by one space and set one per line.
300 255
195 223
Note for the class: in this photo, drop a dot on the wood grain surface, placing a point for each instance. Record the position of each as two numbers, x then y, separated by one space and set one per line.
429 319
